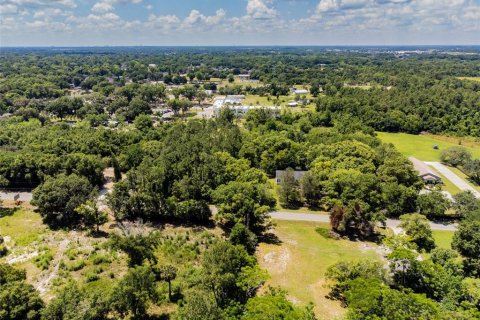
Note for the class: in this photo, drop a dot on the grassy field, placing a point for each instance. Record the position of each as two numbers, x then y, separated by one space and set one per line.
421 146
443 239
299 263
21 225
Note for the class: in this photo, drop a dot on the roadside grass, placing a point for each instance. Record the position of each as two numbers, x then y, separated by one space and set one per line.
421 146
299 263
462 175
443 239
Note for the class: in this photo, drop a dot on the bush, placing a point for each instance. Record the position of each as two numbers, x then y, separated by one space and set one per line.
192 211
99 259
43 261
77 265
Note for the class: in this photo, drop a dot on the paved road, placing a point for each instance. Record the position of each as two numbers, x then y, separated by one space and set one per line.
24 196
276 215
314 217
456 180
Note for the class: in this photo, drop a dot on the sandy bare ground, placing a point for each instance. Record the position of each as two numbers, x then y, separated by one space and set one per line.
45 279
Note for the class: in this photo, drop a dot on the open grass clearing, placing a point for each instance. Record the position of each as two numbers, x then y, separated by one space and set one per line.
299 263
443 239
22 225
421 146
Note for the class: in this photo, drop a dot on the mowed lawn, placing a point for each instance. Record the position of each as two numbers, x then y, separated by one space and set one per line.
421 146
299 263
443 239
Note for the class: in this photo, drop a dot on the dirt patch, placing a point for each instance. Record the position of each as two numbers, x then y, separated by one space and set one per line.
22 258
45 279
277 261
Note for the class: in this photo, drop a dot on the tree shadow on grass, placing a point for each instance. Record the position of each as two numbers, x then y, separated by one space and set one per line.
5 212
269 238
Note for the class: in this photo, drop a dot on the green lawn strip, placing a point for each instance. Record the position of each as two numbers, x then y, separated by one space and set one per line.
421 146
443 239
299 263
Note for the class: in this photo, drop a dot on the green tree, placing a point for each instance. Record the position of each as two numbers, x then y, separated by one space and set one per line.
465 202
432 204
138 247
472 169
135 292
311 189
242 236
243 202
455 156
275 305
168 273
417 228
466 240
91 216
289 189
199 305
143 122
137 107
18 300
75 303
58 197
223 264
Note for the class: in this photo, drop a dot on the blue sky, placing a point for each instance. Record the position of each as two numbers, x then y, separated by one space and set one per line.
238 22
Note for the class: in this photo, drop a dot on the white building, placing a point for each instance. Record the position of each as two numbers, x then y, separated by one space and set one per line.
300 91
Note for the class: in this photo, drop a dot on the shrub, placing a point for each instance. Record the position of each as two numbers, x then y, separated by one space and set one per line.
43 261
77 265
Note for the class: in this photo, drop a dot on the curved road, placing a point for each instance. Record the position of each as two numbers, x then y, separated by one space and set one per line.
315 217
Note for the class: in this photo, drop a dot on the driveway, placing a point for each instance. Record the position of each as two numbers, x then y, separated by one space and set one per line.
313 217
456 180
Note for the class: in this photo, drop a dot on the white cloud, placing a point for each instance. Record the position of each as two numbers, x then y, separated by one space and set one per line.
196 18
103 6
8 8
49 12
258 9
